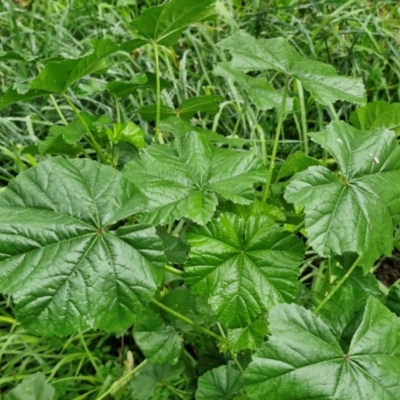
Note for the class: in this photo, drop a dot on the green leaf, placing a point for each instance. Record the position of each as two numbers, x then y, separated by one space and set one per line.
250 337
160 343
257 208
149 113
179 127
184 178
145 381
357 209
349 298
61 260
175 249
57 77
260 91
55 144
378 114
296 162
321 80
164 24
303 359
127 132
365 116
147 80
12 55
243 267
393 298
205 104
74 131
34 387
219 384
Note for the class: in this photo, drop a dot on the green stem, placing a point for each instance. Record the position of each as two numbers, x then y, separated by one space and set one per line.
333 112
187 320
59 112
303 116
89 354
87 129
158 135
122 381
174 270
234 356
338 285
276 140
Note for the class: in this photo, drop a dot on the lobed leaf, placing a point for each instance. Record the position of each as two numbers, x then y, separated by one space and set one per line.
243 267
164 24
183 179
303 359
219 384
33 387
357 209
61 260
321 80
58 76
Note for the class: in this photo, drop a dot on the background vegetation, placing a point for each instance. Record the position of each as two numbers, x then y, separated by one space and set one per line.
358 37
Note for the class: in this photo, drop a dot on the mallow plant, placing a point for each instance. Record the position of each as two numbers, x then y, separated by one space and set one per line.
194 245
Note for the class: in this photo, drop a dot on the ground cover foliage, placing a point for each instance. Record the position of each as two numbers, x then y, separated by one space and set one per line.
194 199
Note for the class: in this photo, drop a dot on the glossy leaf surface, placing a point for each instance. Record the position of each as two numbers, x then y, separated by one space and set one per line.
165 24
219 384
321 80
243 267
184 178
303 359
357 209
59 256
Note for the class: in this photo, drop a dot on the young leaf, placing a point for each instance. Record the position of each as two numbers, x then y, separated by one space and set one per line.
184 178
296 162
127 132
303 359
321 80
250 337
59 256
219 384
145 381
357 209
259 90
349 299
57 77
74 131
33 387
365 116
244 267
160 343
164 24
